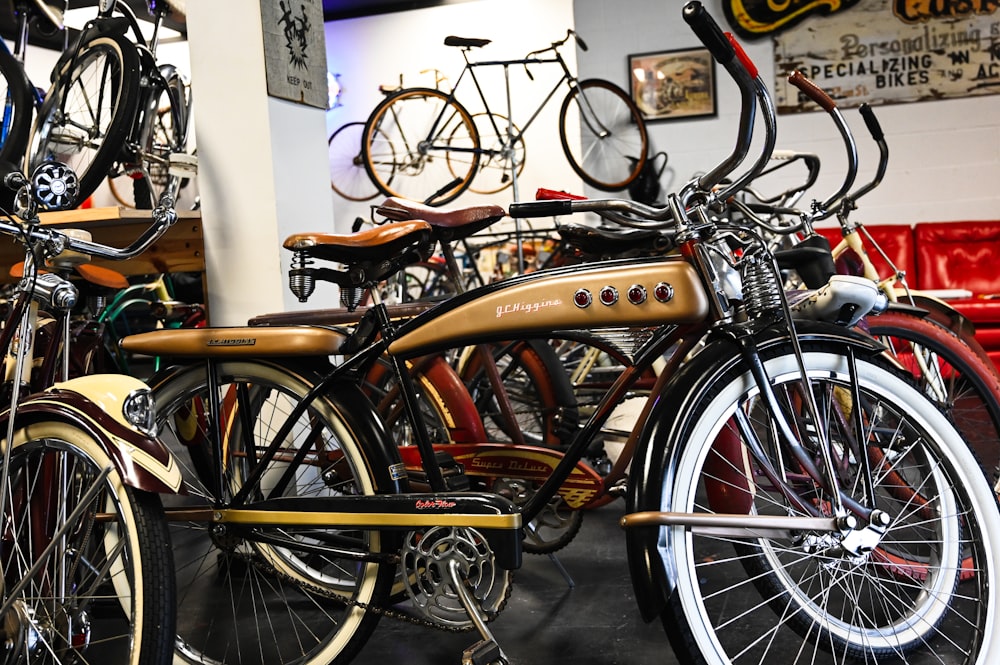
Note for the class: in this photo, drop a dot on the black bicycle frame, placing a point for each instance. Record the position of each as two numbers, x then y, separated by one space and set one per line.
567 77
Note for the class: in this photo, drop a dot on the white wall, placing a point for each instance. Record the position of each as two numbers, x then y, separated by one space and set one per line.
944 156
372 51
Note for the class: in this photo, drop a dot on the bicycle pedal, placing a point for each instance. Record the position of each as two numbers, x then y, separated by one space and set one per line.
483 652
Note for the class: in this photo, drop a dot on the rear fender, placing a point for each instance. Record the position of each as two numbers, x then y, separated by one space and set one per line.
95 404
657 452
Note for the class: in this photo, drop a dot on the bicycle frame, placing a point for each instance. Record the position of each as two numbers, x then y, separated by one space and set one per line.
512 136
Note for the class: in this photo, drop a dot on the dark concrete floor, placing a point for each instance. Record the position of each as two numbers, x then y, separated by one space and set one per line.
594 623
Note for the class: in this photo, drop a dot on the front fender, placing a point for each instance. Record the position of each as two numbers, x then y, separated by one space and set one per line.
656 451
94 404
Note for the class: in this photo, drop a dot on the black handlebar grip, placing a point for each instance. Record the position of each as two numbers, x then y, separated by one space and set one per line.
708 32
812 91
873 125
540 208
11 176
579 42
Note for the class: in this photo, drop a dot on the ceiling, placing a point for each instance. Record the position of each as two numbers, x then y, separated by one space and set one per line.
333 10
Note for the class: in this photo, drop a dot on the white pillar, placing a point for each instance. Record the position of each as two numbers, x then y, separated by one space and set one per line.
262 165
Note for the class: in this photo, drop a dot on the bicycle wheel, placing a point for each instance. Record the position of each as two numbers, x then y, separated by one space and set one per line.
421 144
18 108
950 374
88 111
538 388
301 594
104 592
142 177
498 159
612 144
919 587
348 176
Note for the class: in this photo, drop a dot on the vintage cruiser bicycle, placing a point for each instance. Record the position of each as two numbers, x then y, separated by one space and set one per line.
788 478
423 144
84 546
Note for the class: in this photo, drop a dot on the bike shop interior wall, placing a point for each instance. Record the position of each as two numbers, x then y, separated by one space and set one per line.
944 155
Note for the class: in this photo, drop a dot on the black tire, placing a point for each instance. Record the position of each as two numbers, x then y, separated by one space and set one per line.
243 598
88 111
809 595
348 176
951 374
107 586
613 143
422 145
19 109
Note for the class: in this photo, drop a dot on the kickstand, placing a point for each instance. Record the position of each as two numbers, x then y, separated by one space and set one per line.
562 570
487 651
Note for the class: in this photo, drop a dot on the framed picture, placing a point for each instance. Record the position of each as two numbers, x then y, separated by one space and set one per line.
669 85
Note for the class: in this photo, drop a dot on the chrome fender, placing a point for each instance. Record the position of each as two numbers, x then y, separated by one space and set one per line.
656 453
95 404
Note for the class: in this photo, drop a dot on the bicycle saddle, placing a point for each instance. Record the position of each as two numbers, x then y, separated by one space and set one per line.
448 224
367 256
376 244
465 42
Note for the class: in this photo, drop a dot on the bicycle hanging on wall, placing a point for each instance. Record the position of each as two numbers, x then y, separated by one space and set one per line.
423 144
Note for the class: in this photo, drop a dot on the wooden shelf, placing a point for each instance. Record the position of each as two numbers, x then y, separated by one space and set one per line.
181 249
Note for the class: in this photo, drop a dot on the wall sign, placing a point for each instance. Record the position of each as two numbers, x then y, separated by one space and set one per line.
885 52
294 50
668 85
752 19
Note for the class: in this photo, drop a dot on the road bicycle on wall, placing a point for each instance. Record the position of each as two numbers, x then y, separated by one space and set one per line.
424 145
84 547
113 110
788 480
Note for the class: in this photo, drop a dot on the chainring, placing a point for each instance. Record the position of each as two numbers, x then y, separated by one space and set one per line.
426 560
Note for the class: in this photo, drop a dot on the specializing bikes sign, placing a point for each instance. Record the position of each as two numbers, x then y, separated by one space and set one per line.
892 51
294 50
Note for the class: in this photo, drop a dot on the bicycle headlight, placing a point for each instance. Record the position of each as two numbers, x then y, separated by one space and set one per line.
139 410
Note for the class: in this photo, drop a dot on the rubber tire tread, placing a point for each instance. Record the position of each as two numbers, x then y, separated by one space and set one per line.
122 121
955 350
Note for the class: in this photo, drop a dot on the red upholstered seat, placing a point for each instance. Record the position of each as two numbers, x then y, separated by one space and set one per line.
959 255
947 255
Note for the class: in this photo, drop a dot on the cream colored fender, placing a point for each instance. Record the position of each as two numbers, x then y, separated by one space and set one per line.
97 404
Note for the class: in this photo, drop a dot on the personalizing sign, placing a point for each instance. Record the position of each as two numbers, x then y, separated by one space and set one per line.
294 50
893 51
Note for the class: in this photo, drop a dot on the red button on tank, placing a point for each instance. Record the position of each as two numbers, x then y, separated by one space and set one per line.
663 292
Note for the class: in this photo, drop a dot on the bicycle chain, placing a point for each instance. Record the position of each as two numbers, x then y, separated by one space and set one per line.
387 612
